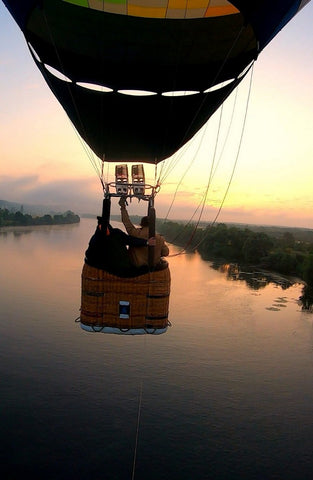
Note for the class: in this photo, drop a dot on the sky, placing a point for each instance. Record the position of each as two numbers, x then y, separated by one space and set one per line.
264 174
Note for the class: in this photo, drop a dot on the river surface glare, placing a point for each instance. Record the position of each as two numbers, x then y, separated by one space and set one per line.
225 393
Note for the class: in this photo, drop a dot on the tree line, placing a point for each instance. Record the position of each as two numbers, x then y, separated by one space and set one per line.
18 218
281 253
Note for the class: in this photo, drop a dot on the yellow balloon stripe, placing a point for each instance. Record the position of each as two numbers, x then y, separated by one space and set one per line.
161 8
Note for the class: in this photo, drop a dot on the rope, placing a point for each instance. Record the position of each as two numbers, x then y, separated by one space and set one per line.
228 131
138 419
175 160
202 203
215 78
137 430
204 197
90 155
236 159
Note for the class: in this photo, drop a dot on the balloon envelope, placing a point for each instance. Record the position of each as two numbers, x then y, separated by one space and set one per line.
156 47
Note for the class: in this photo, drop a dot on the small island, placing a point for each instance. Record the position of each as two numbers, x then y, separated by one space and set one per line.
15 219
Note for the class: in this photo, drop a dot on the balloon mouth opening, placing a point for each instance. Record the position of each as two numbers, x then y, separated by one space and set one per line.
131 92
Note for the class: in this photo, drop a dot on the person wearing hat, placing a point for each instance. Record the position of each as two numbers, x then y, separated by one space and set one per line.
139 256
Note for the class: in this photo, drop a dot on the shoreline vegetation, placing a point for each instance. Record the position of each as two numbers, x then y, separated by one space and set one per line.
250 253
17 219
281 251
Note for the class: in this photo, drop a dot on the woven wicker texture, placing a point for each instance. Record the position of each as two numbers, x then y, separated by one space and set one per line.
147 296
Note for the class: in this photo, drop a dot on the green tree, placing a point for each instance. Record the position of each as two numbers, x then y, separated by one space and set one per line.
288 240
307 273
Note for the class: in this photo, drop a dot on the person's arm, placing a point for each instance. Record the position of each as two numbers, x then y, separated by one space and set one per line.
130 228
132 241
136 241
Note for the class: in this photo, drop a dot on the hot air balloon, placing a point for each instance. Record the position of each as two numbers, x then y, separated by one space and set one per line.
138 78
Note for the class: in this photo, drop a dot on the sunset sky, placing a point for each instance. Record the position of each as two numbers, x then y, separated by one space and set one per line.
43 161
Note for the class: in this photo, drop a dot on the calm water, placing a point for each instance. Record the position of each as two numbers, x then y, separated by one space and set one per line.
225 393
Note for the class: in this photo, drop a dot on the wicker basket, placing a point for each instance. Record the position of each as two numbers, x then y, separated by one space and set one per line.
125 303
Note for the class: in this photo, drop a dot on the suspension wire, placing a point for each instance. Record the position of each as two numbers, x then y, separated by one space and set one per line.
90 155
204 197
212 82
173 163
161 170
176 158
139 412
236 159
137 429
155 171
212 171
107 172
186 171
221 153
88 151
220 156
216 76
101 174
228 132
202 203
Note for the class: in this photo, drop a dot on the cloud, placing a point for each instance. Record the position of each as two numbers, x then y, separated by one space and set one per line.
267 216
9 183
80 195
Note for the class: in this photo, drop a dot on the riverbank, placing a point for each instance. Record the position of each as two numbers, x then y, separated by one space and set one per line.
17 219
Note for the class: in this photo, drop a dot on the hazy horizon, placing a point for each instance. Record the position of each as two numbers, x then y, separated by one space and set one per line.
46 209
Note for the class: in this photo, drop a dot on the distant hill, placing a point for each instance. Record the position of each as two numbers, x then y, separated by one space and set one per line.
300 234
30 209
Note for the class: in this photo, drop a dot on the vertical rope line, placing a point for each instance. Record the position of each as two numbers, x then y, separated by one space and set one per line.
186 171
215 78
205 195
156 182
137 429
88 152
212 83
236 160
228 131
238 150
229 182
175 160
138 417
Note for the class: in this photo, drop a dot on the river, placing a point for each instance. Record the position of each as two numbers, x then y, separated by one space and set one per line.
225 393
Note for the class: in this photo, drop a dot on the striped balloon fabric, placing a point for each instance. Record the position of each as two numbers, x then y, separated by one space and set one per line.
161 8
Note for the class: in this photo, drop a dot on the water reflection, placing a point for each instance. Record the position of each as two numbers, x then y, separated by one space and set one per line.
257 280
15 233
306 299
18 231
